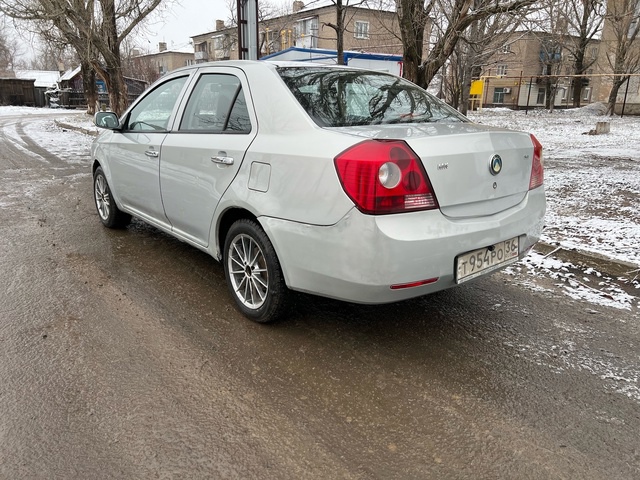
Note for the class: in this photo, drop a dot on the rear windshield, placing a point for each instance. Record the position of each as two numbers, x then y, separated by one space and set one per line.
343 97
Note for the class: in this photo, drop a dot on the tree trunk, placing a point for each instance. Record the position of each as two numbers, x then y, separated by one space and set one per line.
118 97
618 81
577 81
89 87
112 72
467 78
340 13
412 21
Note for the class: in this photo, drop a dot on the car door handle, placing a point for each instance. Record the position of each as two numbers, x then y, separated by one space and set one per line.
222 160
151 153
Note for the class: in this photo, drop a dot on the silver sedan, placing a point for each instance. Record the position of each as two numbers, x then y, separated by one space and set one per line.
346 183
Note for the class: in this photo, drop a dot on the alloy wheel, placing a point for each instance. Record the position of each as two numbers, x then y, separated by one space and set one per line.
103 197
248 271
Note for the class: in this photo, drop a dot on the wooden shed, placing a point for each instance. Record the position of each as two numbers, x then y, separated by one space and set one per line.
17 91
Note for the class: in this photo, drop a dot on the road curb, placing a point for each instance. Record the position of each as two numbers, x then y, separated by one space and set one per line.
579 258
76 128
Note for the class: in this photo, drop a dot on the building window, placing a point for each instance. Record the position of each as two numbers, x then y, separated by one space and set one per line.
270 41
541 96
506 48
586 94
221 46
305 33
565 92
361 29
498 95
502 70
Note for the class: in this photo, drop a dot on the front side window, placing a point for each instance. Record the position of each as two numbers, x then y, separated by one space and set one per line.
361 29
217 105
153 111
343 97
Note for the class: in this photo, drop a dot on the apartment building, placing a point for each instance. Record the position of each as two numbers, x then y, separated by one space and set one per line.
621 26
366 30
535 69
152 66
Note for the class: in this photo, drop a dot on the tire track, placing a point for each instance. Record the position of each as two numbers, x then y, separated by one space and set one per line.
10 154
20 152
32 146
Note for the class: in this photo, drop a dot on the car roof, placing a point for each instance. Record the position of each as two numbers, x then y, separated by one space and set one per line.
269 64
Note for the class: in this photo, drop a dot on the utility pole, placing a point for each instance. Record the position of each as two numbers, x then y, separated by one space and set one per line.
248 29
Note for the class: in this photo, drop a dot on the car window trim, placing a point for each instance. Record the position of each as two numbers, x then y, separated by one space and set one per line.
172 115
184 103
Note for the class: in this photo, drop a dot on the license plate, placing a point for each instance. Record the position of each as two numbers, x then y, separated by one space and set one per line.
484 260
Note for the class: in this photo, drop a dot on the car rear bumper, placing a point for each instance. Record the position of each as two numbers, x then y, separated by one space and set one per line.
359 258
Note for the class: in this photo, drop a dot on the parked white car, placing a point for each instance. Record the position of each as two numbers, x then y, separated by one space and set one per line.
346 183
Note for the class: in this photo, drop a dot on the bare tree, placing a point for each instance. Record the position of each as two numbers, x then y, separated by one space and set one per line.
95 29
52 50
50 19
584 20
622 27
273 20
482 41
339 27
570 28
452 19
9 47
144 68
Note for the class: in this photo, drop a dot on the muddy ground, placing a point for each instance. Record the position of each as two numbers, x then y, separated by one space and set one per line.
122 356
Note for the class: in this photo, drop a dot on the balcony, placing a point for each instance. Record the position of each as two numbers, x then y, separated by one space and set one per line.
221 54
201 56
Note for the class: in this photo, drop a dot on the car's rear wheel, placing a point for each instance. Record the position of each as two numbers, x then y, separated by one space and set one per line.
109 213
253 272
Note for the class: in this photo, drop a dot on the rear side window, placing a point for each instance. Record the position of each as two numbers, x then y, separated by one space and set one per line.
217 105
344 97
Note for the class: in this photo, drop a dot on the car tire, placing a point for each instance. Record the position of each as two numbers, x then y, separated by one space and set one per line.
109 213
253 272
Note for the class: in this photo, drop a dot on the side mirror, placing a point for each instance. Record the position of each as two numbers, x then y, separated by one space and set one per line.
106 120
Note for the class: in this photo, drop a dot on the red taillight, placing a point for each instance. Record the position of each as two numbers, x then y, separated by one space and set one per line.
537 166
385 176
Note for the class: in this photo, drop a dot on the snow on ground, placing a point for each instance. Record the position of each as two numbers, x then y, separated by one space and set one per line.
592 184
592 181
593 197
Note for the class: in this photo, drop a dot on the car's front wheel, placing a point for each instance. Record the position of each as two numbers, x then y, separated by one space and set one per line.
109 213
253 272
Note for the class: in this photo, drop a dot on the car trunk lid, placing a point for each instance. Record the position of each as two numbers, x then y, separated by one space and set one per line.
474 170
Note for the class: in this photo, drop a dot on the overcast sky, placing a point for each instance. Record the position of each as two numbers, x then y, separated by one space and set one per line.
185 19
